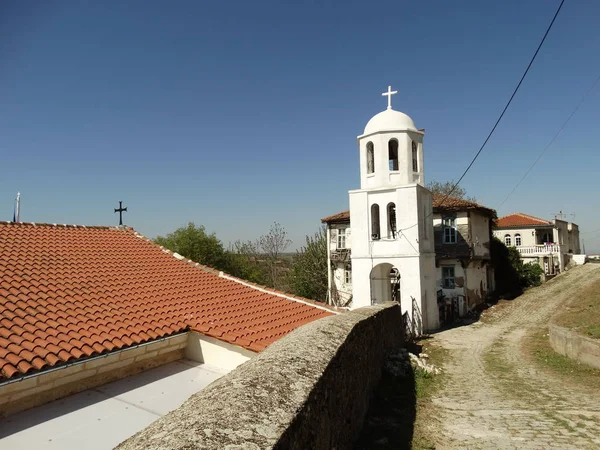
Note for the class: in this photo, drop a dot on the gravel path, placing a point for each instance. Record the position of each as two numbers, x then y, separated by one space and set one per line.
497 399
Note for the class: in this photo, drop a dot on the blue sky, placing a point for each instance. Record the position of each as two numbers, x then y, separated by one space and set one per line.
237 114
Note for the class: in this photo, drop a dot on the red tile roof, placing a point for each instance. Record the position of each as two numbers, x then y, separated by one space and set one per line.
443 203
440 203
344 216
520 220
70 292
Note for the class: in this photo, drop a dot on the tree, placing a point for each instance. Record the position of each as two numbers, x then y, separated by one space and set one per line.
445 188
194 243
510 273
308 275
244 262
273 244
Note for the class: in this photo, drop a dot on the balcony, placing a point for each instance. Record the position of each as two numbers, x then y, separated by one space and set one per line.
341 255
537 250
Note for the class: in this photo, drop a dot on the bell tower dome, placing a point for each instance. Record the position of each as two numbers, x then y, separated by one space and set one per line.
391 149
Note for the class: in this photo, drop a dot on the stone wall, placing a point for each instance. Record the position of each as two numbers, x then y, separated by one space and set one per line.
575 346
71 378
309 390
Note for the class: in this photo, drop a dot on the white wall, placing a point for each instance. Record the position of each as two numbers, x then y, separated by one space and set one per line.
479 226
339 279
528 235
459 276
217 353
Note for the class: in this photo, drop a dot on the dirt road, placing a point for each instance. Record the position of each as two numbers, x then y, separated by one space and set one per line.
498 399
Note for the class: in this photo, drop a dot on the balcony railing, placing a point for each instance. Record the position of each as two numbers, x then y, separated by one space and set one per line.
542 249
341 255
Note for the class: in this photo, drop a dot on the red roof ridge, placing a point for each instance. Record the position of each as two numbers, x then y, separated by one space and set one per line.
64 225
344 215
530 217
439 200
176 255
527 216
281 294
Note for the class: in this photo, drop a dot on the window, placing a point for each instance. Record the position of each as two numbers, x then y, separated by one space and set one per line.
518 240
393 154
370 158
507 240
375 230
449 230
341 238
415 159
348 274
391 212
448 277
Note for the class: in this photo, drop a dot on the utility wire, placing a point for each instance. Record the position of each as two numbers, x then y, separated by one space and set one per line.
552 141
589 232
507 105
499 118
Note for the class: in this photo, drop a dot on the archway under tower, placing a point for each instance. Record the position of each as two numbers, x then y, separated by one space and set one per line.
385 283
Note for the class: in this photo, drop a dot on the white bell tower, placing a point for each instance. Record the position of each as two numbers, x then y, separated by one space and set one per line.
393 251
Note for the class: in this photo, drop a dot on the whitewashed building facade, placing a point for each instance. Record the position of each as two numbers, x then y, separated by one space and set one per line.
550 244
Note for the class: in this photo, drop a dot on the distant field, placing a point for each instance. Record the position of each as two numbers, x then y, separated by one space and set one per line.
583 314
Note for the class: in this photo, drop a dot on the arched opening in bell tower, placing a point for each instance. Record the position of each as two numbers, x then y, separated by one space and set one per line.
370 158
375 227
391 215
393 154
385 284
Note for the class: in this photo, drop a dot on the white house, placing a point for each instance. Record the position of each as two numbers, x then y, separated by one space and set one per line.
548 243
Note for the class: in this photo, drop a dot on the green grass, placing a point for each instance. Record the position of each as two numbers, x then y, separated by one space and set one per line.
426 386
538 346
583 313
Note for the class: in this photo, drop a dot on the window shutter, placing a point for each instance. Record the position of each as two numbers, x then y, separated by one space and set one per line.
348 238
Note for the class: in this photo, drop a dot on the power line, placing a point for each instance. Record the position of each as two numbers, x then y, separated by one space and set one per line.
589 232
499 118
507 105
552 140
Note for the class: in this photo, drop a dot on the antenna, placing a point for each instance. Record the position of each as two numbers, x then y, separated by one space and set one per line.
559 215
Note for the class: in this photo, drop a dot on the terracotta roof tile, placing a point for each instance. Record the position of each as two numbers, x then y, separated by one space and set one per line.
520 220
70 292
343 216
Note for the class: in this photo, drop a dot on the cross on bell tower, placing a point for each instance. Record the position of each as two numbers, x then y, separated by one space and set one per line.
120 210
389 94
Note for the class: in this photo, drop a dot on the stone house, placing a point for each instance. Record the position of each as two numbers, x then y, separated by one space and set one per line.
463 233
550 244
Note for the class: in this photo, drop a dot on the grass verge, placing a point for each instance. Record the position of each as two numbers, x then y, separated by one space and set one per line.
583 312
537 346
427 386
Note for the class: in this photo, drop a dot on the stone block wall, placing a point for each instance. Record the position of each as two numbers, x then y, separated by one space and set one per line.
309 390
575 346
71 378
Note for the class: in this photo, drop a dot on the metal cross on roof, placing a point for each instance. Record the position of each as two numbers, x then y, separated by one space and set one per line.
120 210
389 94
